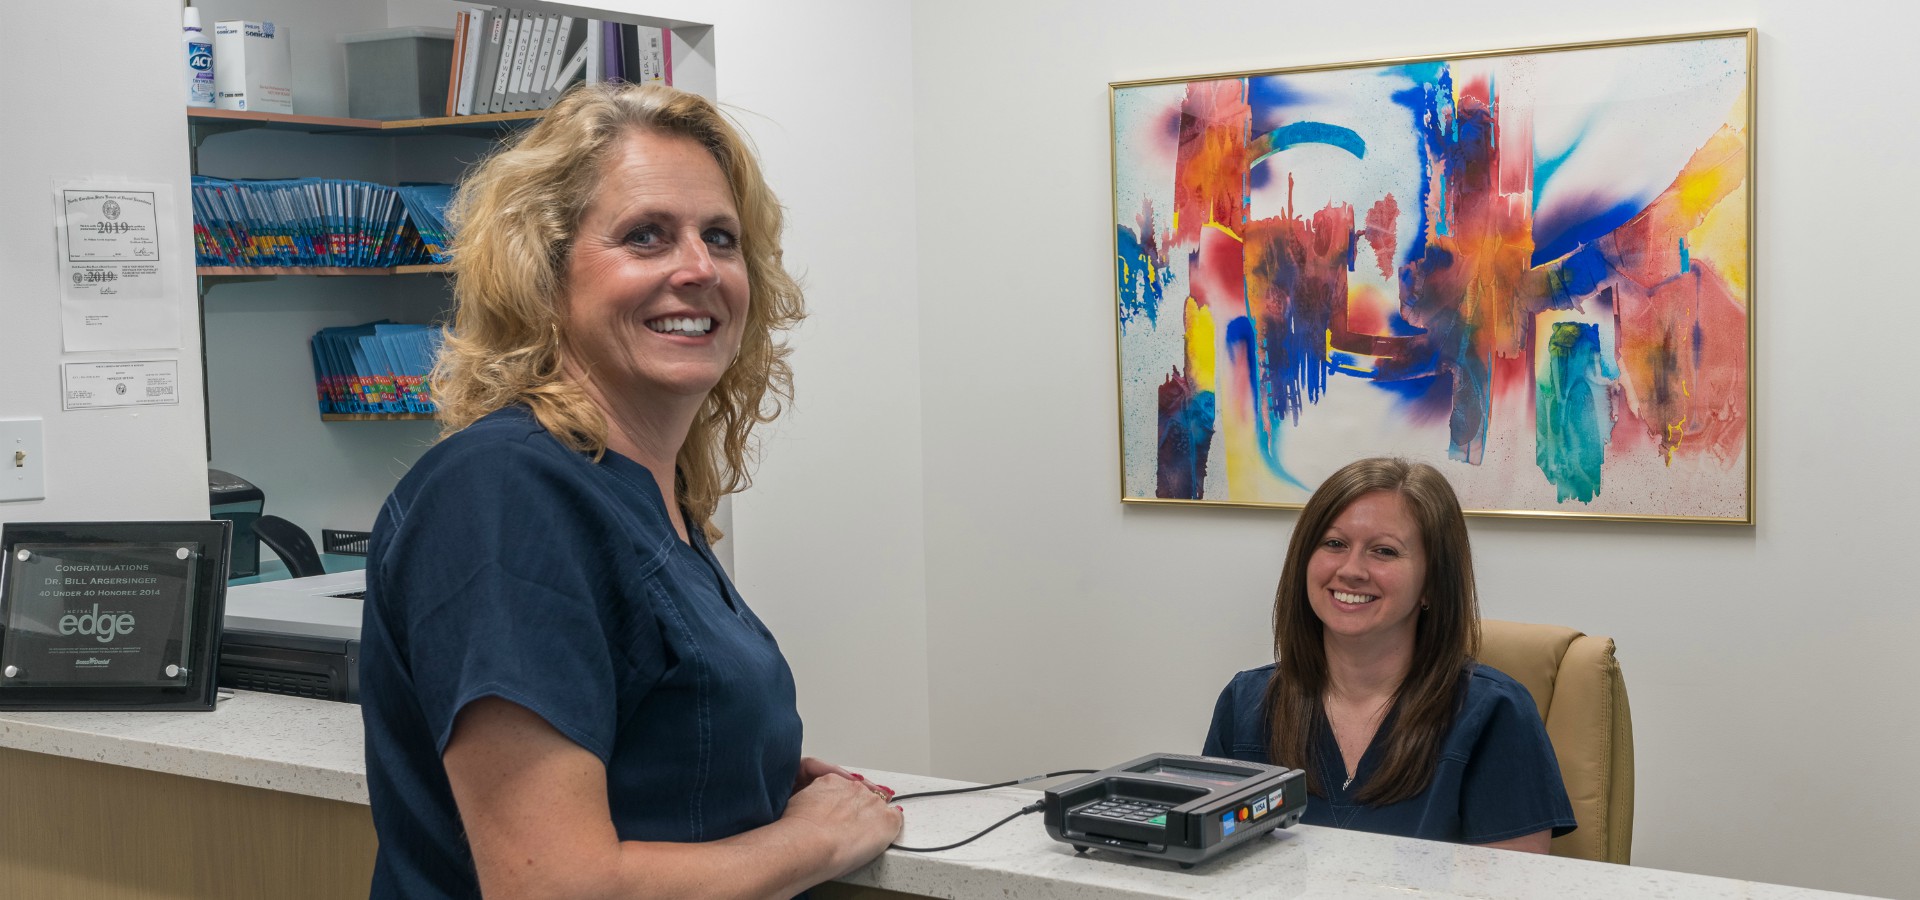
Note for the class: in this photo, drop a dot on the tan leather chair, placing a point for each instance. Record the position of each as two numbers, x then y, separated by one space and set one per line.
1576 683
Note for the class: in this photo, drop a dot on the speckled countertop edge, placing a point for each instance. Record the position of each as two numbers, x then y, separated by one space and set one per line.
1305 862
315 748
291 744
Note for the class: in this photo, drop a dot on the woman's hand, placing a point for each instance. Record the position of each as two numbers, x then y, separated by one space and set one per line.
850 813
534 805
811 768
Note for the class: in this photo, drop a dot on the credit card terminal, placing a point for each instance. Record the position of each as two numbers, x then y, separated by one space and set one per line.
1169 806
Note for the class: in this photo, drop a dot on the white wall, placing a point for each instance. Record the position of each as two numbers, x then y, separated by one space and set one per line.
147 463
1769 668
830 544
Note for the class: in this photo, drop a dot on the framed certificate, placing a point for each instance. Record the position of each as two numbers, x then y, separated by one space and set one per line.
111 615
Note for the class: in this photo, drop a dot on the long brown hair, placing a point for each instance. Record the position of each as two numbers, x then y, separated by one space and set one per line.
515 219
1446 634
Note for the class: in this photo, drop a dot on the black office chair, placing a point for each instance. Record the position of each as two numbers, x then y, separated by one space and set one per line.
289 542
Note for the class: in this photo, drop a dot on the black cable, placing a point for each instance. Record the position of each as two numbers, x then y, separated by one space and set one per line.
1033 807
988 787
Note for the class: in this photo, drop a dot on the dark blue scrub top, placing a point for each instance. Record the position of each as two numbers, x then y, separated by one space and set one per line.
505 565
1497 777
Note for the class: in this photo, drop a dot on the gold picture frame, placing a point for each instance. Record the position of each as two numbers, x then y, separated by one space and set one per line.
1529 267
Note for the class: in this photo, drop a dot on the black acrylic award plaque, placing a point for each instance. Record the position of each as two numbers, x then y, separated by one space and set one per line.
111 615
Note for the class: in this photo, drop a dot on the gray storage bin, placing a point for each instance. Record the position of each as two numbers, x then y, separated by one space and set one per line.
398 73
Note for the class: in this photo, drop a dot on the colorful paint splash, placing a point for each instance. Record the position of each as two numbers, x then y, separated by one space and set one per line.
1141 269
1187 414
1530 269
1572 419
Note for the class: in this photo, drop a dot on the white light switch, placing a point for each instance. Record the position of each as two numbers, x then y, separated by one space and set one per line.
22 462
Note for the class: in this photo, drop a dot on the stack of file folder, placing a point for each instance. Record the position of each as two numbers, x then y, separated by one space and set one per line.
302 222
379 367
427 209
510 60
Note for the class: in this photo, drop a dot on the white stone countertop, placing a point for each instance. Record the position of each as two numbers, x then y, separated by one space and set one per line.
1308 862
313 747
289 744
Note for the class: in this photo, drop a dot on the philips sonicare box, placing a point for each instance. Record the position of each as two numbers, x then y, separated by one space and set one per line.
252 67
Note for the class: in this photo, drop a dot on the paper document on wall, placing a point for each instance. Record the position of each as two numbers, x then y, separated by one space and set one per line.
101 385
113 293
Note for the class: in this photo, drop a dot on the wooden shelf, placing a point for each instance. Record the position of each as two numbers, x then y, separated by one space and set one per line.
286 121
491 122
270 271
206 122
375 417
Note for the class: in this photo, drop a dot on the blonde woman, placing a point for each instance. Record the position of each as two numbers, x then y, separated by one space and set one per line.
564 695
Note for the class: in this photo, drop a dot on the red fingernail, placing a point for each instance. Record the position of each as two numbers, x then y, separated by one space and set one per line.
859 777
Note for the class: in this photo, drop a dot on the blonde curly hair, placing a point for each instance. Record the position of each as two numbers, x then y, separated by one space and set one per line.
515 219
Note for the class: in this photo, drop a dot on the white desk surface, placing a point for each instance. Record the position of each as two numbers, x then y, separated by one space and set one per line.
291 744
314 747
1020 860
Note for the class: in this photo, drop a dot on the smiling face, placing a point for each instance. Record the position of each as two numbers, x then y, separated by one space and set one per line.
656 282
1367 576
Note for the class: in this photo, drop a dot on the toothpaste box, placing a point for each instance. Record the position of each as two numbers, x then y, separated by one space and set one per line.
252 67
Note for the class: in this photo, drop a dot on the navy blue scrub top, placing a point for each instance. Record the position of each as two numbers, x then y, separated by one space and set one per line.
1497 777
505 565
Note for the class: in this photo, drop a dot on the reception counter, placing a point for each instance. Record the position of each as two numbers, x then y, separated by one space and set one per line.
266 797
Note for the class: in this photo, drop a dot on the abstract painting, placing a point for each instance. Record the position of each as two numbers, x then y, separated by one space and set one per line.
1529 268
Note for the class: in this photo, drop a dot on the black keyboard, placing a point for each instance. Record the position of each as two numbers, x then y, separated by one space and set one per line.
1125 809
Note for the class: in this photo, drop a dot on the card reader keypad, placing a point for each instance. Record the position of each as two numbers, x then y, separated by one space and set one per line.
1124 809
1173 807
